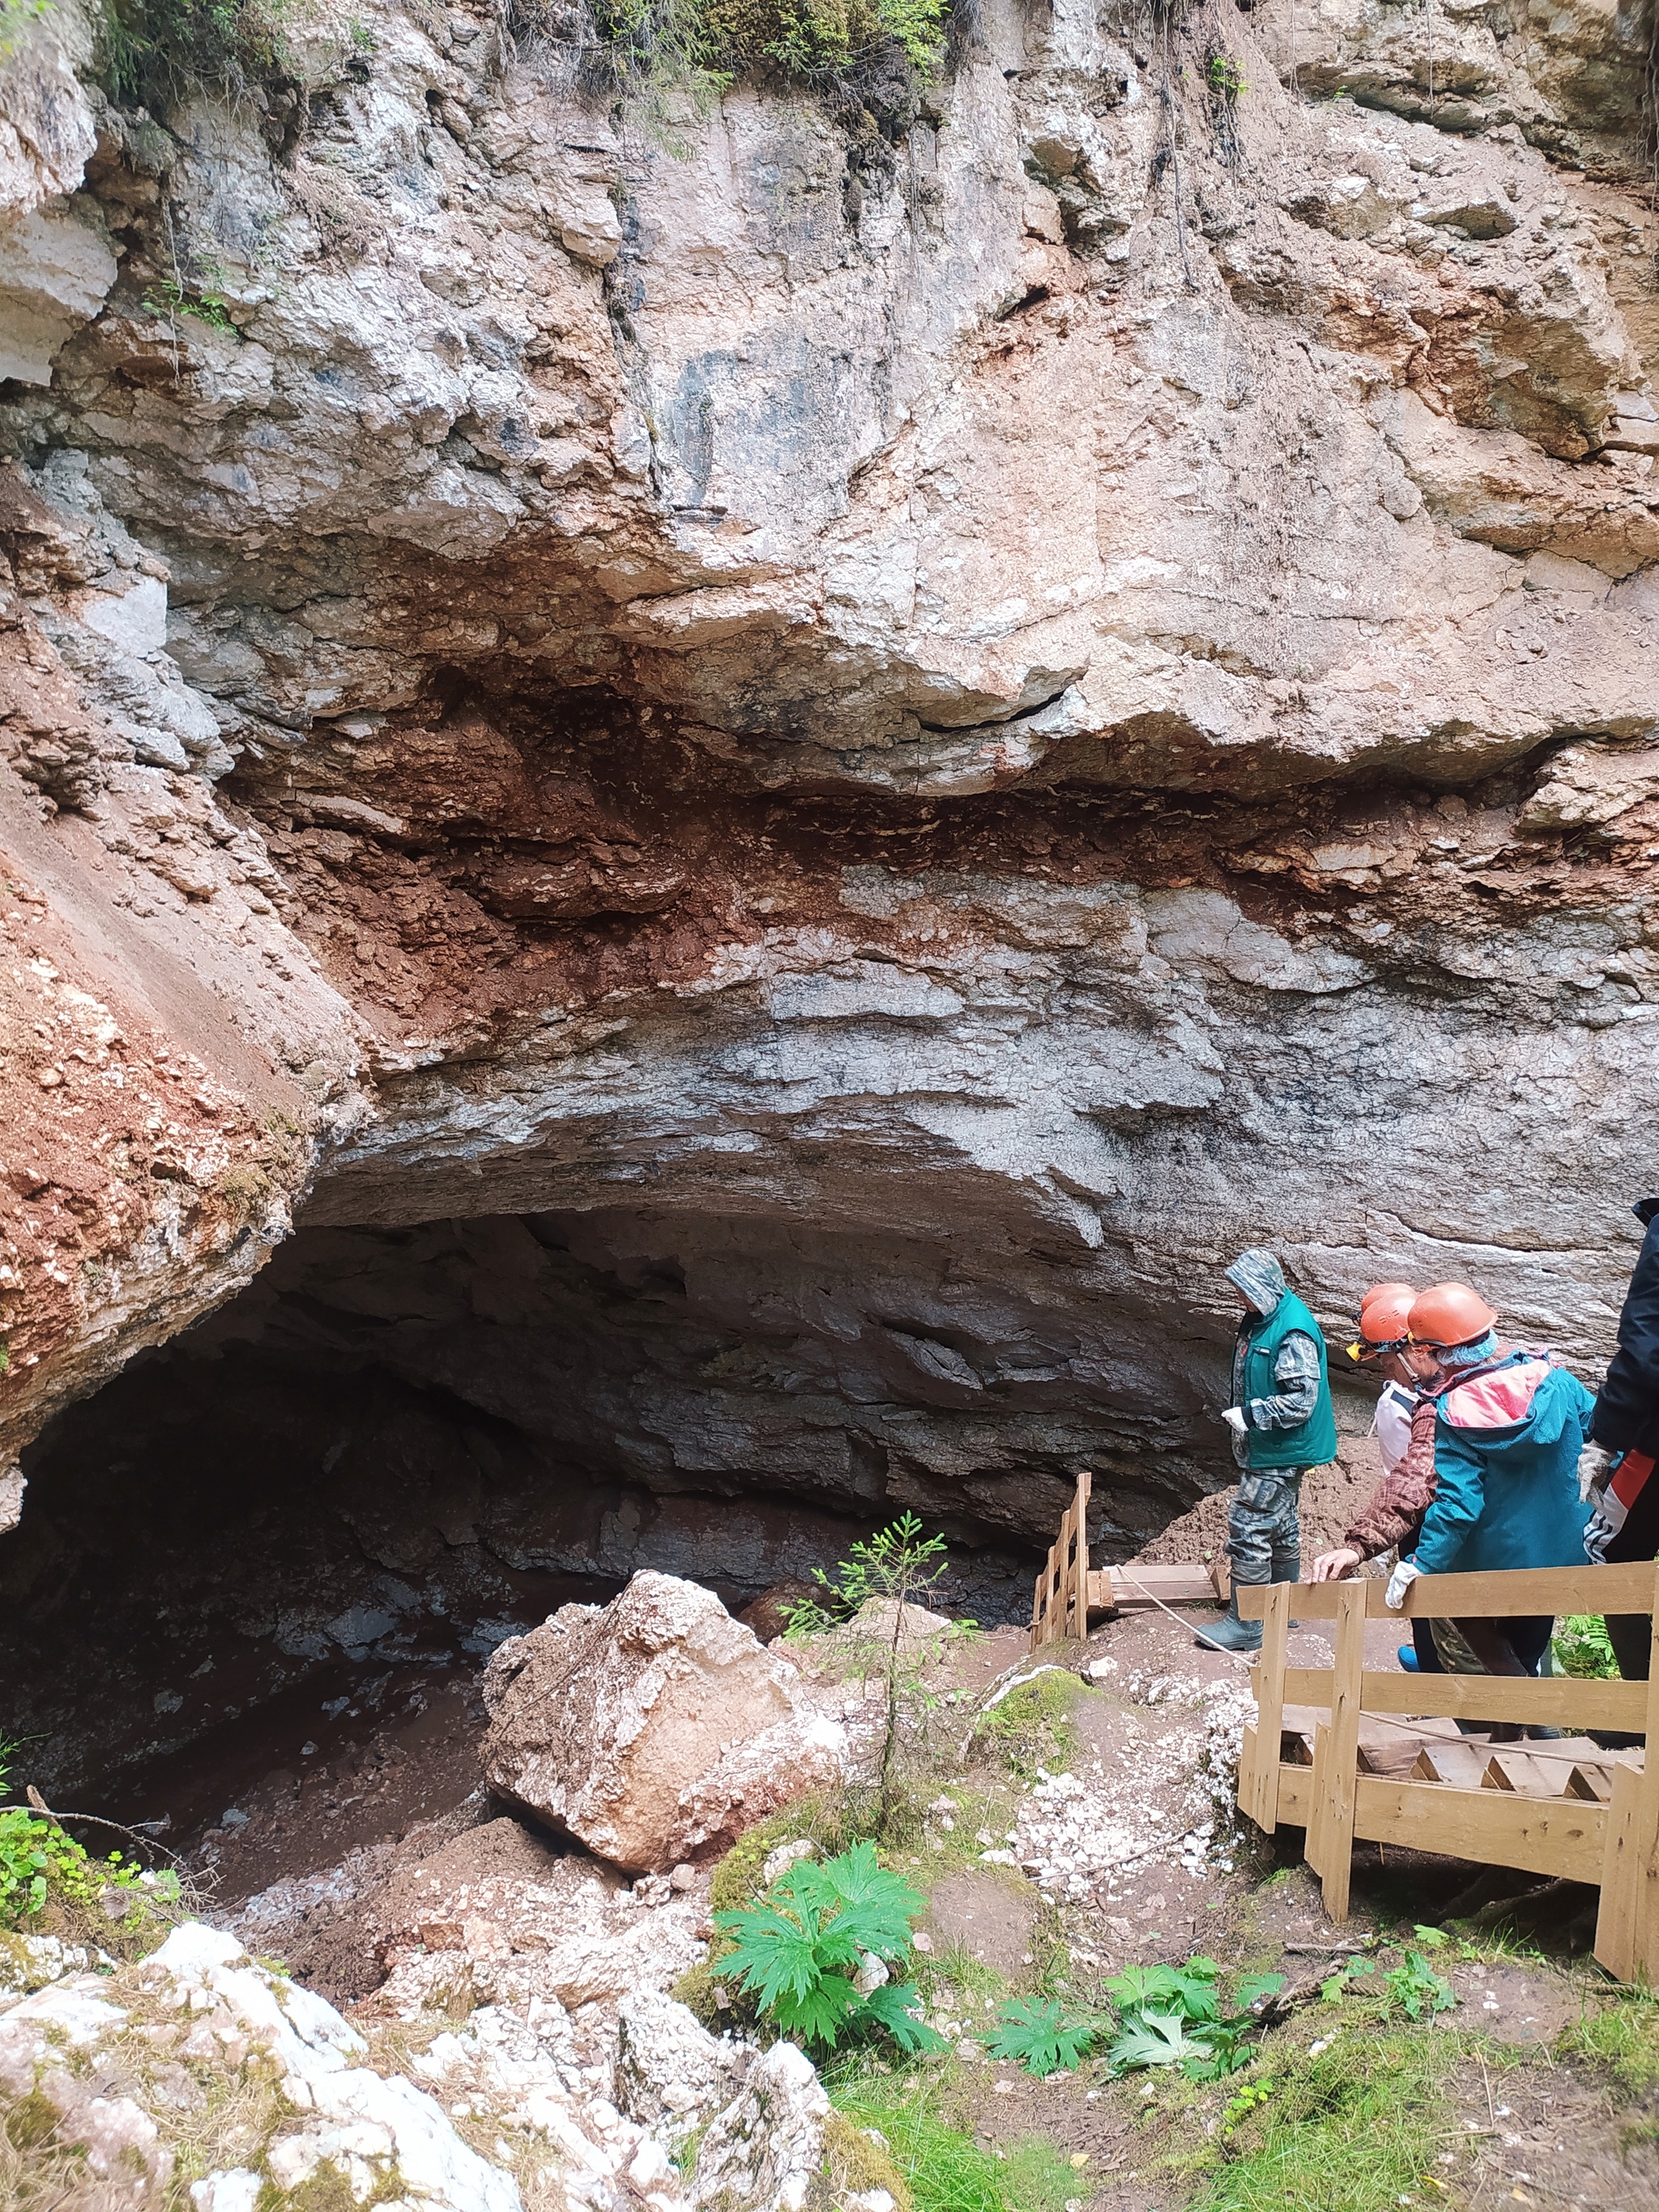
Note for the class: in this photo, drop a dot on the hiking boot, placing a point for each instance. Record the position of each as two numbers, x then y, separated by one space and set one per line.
1229 1634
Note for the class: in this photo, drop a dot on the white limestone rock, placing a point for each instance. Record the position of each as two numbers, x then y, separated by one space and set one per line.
765 2150
73 2042
671 2074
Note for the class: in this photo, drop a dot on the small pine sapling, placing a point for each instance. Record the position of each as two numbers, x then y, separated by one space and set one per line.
898 1567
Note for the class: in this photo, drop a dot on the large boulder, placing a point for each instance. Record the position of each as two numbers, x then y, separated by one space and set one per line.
656 1731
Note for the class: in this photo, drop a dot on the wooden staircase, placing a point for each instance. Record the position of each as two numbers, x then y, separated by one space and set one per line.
1351 1756
1069 1593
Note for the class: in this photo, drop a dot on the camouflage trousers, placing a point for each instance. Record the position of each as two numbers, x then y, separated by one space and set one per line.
1264 1529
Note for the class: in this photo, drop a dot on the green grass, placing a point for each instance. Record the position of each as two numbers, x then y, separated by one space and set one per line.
1622 2035
955 1968
945 2170
1352 2130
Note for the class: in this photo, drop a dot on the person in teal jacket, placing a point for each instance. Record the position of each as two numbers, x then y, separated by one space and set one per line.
1506 1447
1283 1424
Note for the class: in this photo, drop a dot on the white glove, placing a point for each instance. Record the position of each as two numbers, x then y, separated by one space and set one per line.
1595 1466
1234 1417
1399 1583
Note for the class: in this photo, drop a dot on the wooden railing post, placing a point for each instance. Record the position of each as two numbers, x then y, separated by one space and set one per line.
1627 1923
1078 1622
1060 1605
1258 1793
1336 1757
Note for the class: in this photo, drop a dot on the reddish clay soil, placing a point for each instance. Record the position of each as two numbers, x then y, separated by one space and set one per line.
483 860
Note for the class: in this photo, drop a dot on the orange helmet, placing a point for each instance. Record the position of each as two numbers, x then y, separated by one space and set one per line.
1383 1312
1449 1314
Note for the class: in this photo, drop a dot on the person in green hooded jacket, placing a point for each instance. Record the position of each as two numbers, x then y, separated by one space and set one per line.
1283 1423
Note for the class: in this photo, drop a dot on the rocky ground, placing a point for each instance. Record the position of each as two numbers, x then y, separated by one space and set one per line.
504 2018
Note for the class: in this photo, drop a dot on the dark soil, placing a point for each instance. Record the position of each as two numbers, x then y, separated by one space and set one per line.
994 1920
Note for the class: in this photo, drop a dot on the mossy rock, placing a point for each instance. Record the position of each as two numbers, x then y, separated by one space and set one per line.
855 2164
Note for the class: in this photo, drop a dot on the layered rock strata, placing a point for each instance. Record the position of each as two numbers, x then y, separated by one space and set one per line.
895 736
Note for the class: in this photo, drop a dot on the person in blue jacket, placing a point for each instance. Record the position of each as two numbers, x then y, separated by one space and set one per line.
1506 1448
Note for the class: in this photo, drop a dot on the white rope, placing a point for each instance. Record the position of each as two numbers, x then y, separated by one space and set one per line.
1533 1749
1208 1642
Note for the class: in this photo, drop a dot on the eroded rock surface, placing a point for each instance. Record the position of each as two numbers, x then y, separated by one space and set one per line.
798 779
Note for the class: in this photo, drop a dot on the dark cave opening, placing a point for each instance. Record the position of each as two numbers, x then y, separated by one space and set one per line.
327 1502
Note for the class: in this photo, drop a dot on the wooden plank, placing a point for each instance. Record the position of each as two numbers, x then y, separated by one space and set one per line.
1549 1836
1295 1796
1647 1822
1552 1701
1620 1876
1318 1815
1176 1585
1249 1753
1535 1835
1077 1623
1523 1774
1269 1673
1456 1765
1335 1787
1479 1597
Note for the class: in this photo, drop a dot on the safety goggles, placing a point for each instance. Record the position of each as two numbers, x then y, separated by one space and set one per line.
1365 1350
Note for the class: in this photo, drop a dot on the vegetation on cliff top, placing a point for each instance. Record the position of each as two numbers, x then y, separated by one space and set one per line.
154 52
826 42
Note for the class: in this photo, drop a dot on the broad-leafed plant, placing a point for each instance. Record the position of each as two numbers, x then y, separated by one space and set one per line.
805 1951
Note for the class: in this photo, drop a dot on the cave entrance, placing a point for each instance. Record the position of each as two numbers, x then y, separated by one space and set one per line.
313 1514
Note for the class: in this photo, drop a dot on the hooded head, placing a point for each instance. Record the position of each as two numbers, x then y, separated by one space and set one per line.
1259 1276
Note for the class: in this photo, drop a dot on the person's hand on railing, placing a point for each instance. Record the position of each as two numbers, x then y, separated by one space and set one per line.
1595 1466
1399 1583
1332 1566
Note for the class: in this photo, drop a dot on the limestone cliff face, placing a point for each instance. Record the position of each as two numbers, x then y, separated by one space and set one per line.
907 732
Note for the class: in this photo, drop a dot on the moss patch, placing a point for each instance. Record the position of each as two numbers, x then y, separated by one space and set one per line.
1034 1727
1623 2036
854 2162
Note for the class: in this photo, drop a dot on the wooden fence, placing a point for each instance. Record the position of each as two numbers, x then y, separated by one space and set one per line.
1350 1755
1068 1591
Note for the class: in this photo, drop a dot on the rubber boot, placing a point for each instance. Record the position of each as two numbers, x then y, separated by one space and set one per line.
1229 1634
1287 1568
